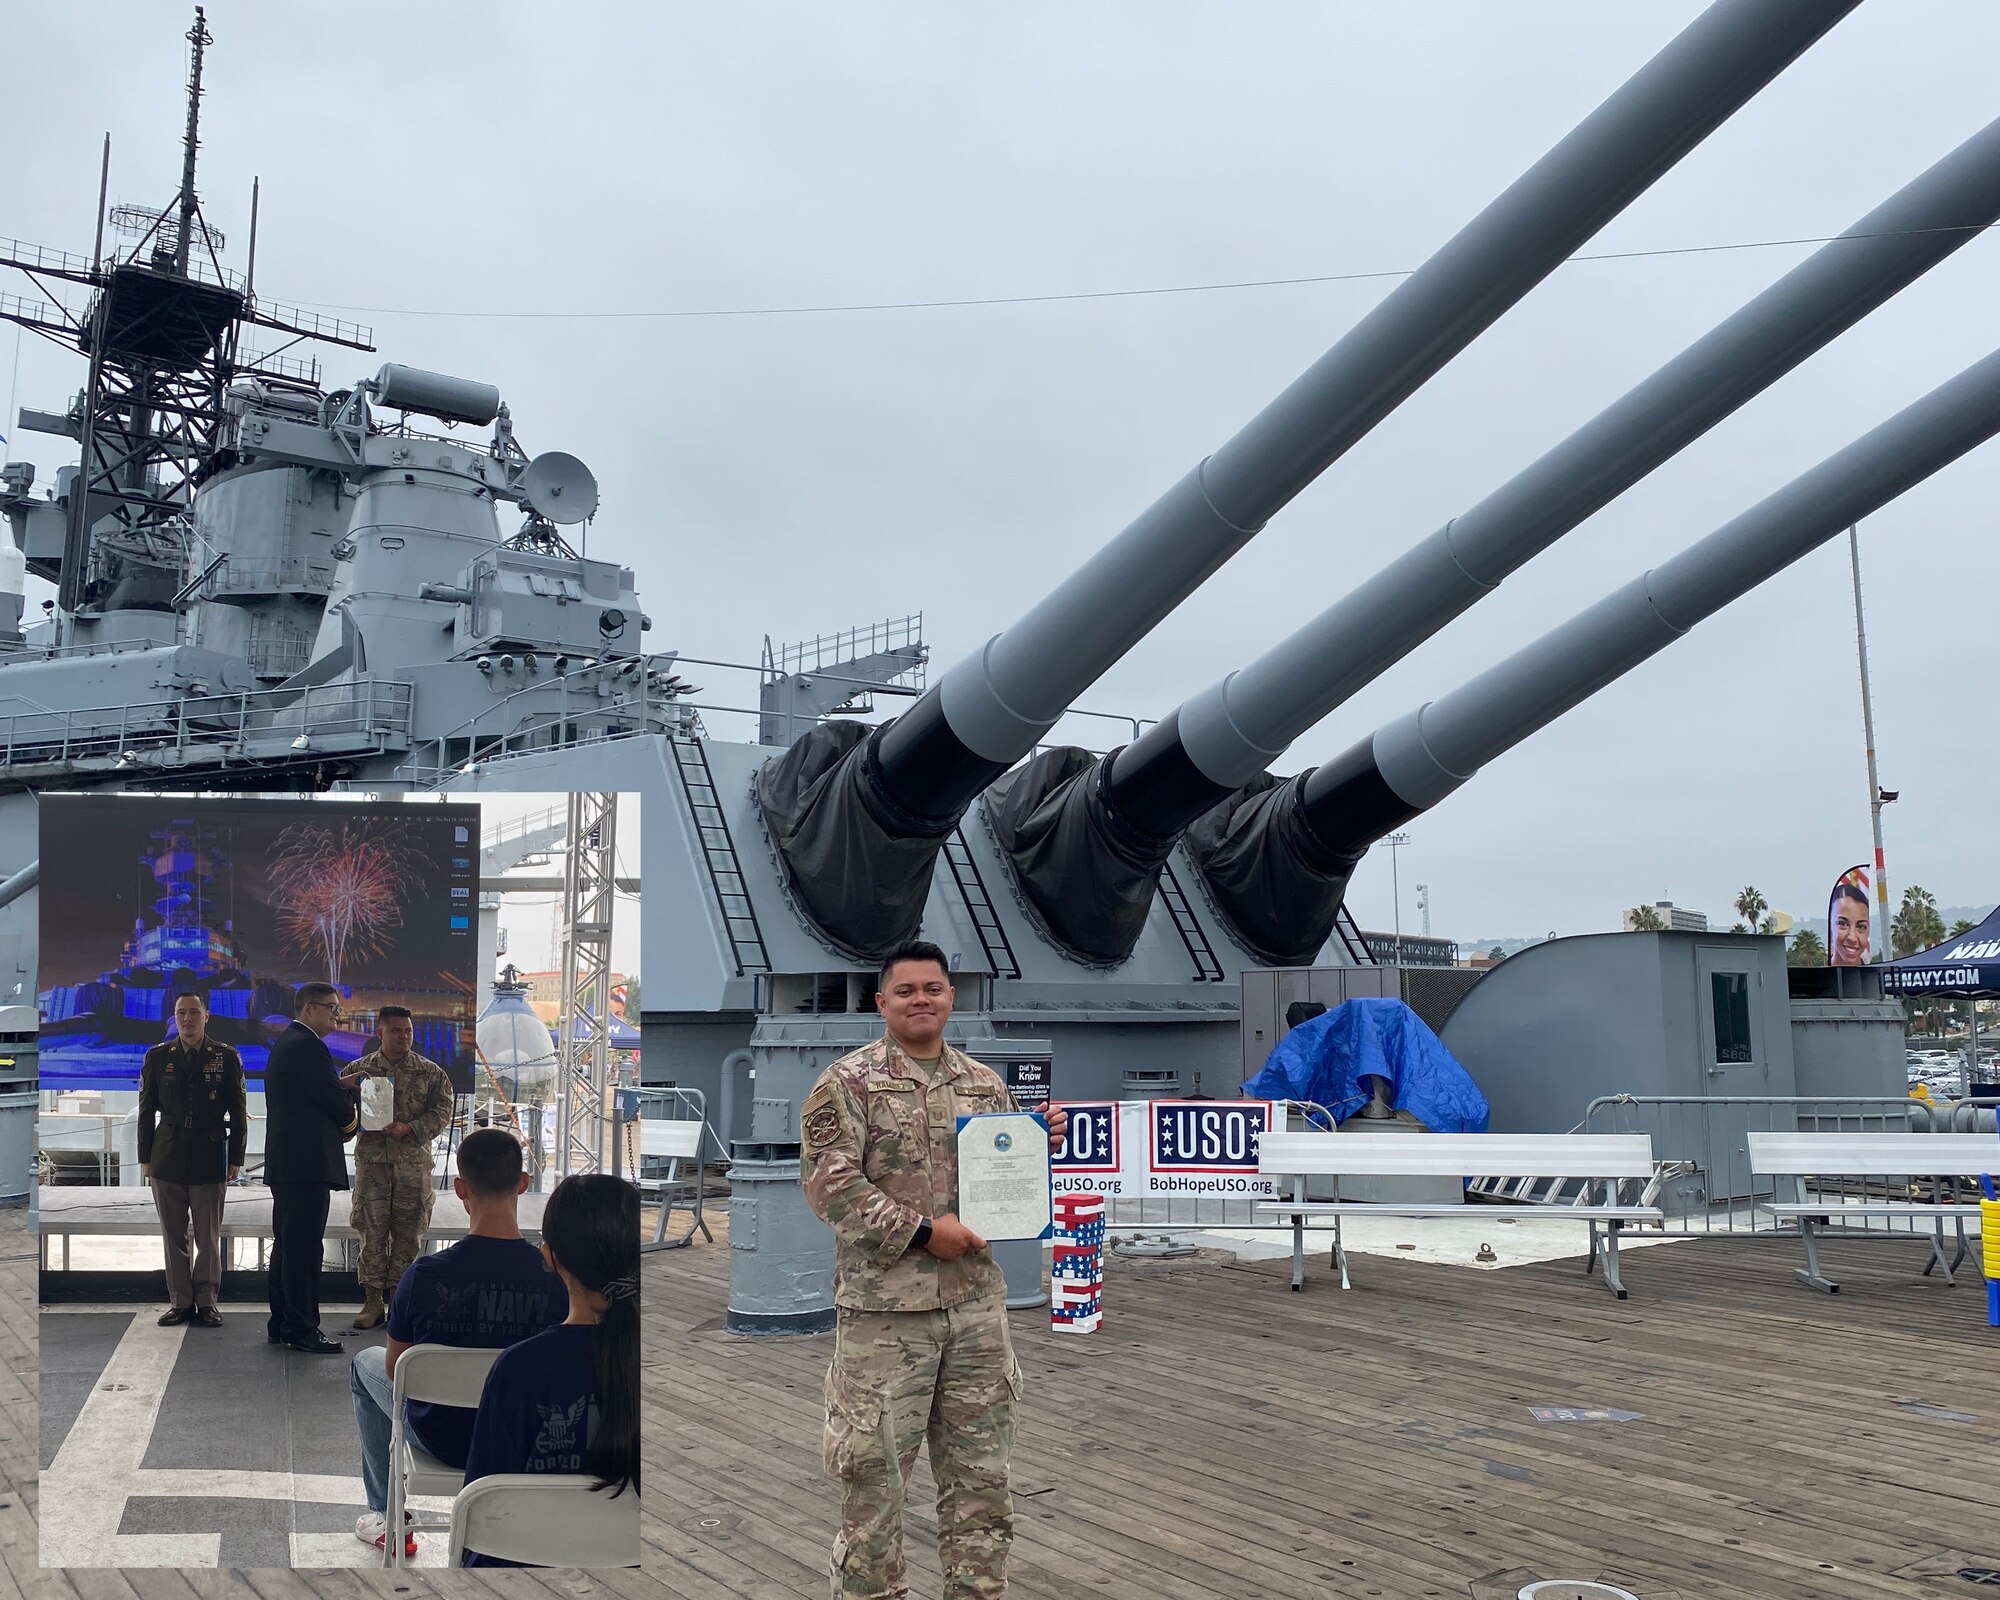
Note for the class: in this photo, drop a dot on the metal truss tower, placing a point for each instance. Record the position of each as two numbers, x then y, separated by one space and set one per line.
583 1103
161 330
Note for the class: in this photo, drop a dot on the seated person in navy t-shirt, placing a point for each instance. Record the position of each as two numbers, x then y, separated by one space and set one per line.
568 1400
486 1292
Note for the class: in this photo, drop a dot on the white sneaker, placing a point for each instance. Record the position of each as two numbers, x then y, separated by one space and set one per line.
372 1529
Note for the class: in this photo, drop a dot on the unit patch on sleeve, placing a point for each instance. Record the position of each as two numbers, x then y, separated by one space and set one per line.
822 1128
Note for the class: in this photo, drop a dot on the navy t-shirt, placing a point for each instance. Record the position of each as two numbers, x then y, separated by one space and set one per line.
536 1412
481 1294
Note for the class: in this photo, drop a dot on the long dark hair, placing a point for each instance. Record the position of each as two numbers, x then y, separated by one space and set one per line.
591 1226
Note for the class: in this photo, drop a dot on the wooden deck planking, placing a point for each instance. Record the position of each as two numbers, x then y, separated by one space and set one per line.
1772 1460
1373 1442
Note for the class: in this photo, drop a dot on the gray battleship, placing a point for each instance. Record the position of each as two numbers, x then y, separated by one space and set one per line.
269 583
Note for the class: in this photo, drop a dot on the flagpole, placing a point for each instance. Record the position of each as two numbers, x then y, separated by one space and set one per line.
1880 942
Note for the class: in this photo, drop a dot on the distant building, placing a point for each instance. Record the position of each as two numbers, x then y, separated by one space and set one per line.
545 993
1675 919
1411 950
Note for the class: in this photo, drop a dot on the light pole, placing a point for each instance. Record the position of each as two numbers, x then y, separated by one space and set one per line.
1395 842
1424 905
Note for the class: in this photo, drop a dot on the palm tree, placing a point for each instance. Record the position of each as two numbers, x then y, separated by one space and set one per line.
1750 905
1645 919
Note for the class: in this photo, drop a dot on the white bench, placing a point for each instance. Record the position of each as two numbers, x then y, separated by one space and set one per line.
674 1140
1789 1159
1605 1162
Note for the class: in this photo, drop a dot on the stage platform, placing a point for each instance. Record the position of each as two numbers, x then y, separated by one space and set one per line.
102 1244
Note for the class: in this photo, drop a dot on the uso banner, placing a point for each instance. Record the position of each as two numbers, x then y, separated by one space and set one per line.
1165 1147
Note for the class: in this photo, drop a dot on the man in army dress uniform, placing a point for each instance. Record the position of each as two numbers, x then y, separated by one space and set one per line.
392 1167
922 1350
193 1128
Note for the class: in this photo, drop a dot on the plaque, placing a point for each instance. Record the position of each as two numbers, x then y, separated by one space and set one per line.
378 1103
1003 1175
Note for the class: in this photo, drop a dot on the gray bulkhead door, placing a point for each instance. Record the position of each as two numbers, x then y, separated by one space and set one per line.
1729 1001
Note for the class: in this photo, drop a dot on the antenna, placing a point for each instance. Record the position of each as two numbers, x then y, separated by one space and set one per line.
559 488
201 39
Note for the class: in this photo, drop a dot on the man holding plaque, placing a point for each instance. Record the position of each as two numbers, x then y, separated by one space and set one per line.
923 1351
405 1104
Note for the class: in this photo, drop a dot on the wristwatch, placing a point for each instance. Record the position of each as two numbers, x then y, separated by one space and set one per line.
922 1236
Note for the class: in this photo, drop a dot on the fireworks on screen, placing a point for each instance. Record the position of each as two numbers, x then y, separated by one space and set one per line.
341 886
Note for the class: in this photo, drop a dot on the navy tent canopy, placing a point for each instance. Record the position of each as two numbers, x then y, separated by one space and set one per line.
622 1035
1967 966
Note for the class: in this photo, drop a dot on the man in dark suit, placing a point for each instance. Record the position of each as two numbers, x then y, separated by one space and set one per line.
307 1115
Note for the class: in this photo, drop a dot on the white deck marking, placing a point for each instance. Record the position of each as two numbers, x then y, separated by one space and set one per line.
85 1489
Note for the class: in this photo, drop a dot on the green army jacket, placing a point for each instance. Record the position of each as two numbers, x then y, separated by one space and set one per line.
423 1100
878 1155
194 1122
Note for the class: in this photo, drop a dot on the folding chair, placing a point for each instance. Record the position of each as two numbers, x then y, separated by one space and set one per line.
436 1374
546 1519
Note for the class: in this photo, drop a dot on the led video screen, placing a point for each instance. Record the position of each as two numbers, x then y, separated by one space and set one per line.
241 900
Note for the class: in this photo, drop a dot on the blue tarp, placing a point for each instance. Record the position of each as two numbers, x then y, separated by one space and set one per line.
1325 1058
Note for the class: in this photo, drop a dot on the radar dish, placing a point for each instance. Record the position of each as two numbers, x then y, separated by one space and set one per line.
559 487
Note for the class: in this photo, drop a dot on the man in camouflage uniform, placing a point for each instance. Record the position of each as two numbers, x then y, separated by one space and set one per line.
392 1167
922 1350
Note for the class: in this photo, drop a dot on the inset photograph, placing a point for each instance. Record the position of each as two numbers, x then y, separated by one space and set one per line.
335 1190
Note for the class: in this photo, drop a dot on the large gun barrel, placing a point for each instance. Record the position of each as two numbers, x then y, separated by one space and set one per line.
1278 859
992 708
856 820
1086 839
1226 735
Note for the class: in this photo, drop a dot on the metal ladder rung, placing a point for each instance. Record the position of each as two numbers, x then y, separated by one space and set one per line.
1207 969
979 906
718 848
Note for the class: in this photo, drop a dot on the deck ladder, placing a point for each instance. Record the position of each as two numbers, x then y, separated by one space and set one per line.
1350 937
1207 969
718 850
979 905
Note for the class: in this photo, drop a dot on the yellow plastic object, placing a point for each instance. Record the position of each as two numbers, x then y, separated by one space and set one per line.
1921 1091
1989 1236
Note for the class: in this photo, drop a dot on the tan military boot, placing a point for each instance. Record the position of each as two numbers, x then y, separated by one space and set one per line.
372 1314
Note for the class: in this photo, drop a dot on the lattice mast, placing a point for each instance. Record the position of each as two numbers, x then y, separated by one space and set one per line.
161 330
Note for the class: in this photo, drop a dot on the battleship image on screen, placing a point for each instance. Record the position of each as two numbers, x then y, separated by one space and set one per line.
241 900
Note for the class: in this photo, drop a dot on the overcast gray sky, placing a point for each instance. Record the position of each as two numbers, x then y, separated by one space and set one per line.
788 474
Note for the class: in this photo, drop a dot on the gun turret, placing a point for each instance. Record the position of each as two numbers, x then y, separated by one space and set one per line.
1087 839
857 814
1277 856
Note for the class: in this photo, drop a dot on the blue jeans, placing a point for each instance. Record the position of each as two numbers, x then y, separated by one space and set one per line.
374 1390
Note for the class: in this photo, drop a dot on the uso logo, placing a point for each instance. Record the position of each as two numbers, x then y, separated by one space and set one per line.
1091 1145
1207 1135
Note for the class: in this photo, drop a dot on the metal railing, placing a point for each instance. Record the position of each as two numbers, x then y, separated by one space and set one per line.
674 1179
494 733
371 713
520 827
310 323
849 644
39 313
245 575
40 258
1713 1189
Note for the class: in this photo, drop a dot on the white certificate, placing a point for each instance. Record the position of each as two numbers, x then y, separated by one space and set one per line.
1003 1175
378 1103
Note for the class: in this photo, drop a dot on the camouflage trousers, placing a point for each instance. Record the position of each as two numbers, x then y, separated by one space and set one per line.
900 1378
391 1211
